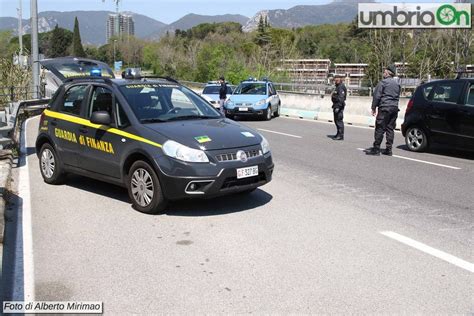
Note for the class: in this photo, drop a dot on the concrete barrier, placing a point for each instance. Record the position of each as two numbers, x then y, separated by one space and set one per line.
319 107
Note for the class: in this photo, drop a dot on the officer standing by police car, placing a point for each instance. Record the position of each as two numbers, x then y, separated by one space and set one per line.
222 94
386 98
338 99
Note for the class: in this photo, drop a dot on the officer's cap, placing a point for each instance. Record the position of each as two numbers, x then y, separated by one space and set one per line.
392 69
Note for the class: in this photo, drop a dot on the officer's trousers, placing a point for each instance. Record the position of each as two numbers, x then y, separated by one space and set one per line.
385 123
339 120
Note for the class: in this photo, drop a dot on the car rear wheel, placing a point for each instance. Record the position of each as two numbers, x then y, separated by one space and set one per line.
50 166
268 113
144 189
416 139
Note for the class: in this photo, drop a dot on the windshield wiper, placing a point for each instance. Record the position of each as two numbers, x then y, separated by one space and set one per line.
191 117
152 120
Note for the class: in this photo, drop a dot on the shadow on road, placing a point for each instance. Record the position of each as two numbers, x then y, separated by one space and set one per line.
11 283
440 150
97 187
219 206
196 207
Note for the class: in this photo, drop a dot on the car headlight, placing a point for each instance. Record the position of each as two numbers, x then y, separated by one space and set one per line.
184 153
265 145
261 102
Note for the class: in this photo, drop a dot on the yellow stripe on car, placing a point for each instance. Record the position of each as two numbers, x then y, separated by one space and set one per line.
78 120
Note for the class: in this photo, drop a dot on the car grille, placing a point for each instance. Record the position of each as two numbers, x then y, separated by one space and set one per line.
233 156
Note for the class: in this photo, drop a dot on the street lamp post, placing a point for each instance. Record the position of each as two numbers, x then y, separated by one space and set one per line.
34 47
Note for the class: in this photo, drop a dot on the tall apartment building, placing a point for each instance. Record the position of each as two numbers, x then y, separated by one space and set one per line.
120 25
307 71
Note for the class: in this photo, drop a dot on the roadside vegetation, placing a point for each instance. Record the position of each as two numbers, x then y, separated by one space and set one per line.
207 51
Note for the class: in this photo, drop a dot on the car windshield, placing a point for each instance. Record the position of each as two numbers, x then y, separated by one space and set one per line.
161 102
215 90
251 88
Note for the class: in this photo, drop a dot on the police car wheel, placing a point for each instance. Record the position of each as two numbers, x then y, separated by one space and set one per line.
144 189
268 113
50 166
277 113
416 139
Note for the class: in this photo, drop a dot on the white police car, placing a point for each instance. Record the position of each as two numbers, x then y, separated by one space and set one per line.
254 98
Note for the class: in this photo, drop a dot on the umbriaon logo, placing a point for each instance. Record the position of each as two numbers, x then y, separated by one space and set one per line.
416 15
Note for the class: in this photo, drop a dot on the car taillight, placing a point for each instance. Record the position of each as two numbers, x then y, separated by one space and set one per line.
409 106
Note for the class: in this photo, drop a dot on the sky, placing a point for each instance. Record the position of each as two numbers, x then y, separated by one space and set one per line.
166 11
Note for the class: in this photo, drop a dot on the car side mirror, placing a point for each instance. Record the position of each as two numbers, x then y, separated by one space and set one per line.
101 118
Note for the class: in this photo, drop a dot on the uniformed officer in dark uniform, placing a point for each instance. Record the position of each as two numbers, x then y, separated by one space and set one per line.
338 99
386 97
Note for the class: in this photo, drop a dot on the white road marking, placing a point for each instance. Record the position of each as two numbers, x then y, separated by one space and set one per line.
422 161
331 123
24 192
269 131
431 251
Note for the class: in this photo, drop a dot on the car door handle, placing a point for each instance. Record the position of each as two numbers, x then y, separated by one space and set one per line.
83 130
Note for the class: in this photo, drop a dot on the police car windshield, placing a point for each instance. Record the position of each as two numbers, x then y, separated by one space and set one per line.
215 90
251 88
161 102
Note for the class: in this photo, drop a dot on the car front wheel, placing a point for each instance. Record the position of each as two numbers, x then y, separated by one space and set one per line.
277 113
268 113
50 166
416 139
144 189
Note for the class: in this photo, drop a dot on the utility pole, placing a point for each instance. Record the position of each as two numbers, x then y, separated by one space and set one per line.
20 32
34 48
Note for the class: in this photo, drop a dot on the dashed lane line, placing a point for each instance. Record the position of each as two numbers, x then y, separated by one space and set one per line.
430 250
421 161
280 133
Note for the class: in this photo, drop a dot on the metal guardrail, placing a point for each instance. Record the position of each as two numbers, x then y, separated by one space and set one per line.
312 89
9 118
16 93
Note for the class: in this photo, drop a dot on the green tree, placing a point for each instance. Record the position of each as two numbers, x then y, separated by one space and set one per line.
60 40
263 37
77 49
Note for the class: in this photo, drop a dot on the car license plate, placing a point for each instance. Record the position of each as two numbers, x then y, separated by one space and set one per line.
243 109
247 172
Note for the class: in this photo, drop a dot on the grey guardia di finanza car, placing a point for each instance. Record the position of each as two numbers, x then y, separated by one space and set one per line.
156 137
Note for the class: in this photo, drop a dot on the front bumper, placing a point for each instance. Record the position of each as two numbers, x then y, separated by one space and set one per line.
211 179
250 111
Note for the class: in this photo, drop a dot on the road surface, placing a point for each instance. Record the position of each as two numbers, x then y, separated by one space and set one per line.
336 231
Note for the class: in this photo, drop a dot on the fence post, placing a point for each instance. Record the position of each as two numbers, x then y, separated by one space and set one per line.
12 94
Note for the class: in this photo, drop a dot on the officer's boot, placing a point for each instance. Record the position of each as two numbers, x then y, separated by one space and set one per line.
387 151
374 151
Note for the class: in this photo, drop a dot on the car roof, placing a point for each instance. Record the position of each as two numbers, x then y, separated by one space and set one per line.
256 81
449 81
122 82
